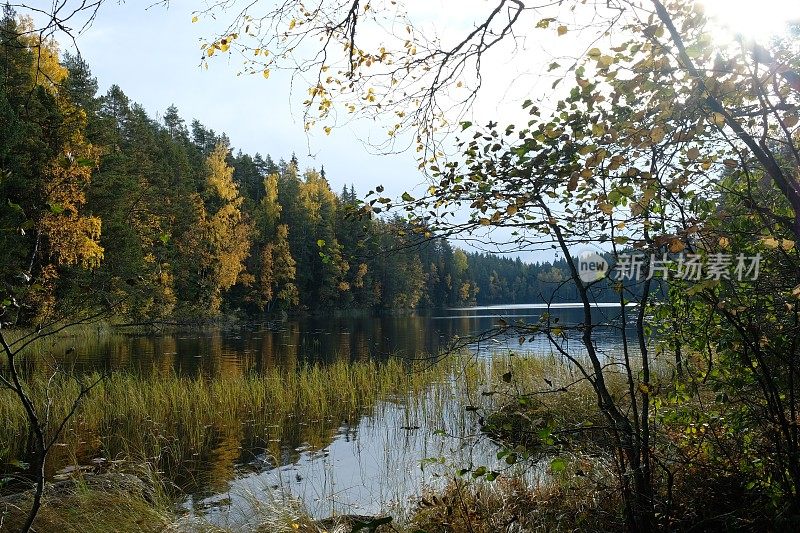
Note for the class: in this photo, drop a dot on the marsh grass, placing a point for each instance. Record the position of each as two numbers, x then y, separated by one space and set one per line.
197 431
170 417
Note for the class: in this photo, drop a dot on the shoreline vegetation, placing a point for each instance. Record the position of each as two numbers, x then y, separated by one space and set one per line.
162 424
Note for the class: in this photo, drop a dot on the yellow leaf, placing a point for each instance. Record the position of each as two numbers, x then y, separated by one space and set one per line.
605 61
606 208
292 24
194 19
594 53
484 222
562 30
796 292
657 134
770 242
266 73
676 245
718 119
327 130
787 245
724 242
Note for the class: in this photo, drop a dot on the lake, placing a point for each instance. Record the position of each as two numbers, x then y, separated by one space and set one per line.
375 460
323 339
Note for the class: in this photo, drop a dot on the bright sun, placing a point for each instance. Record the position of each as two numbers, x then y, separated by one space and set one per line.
756 19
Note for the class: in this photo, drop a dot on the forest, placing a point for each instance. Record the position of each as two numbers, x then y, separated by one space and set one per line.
662 135
169 219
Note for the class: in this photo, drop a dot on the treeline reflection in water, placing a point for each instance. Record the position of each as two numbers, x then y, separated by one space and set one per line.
254 348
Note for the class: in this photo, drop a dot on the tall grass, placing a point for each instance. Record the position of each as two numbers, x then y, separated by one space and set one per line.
202 427
173 418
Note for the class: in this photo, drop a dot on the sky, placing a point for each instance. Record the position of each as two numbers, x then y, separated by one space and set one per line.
153 53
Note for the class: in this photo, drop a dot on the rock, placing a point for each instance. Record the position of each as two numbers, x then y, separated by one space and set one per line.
351 522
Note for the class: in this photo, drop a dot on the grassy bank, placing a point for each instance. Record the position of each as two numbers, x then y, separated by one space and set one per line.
97 504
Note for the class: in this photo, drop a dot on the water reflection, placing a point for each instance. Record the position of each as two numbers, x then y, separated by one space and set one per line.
348 462
319 339
382 463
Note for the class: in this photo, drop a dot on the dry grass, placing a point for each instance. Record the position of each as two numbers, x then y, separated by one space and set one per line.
568 503
113 502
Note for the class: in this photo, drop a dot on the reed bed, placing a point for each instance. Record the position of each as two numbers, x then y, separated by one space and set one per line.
133 415
197 429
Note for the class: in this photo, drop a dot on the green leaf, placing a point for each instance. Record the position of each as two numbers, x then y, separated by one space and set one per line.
694 50
558 465
321 243
56 209
466 124
478 472
407 197
15 207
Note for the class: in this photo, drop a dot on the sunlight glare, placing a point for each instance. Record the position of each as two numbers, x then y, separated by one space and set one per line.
755 19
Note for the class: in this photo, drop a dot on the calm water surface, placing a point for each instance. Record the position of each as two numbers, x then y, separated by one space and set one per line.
324 339
381 461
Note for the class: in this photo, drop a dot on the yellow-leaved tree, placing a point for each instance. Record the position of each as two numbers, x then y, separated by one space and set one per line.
220 240
49 166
